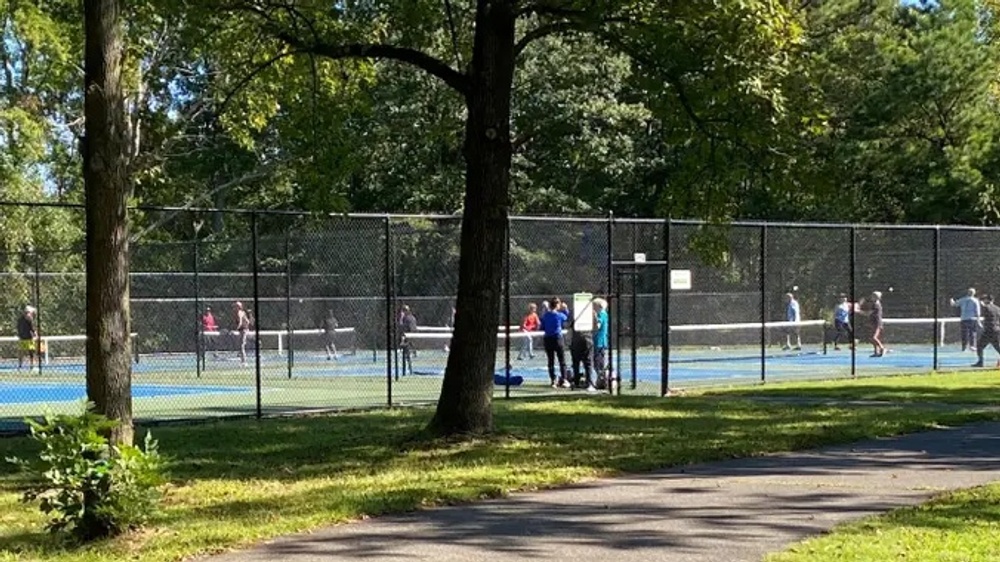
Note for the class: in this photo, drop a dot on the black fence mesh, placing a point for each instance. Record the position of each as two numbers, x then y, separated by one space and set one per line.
251 313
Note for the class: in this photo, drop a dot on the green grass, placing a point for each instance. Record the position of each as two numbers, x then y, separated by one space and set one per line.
237 483
974 387
958 527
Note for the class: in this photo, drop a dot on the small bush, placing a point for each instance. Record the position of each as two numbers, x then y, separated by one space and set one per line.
88 487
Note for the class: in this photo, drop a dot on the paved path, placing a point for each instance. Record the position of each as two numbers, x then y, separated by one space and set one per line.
734 511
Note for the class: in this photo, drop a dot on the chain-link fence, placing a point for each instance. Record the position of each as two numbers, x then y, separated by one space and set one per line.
242 313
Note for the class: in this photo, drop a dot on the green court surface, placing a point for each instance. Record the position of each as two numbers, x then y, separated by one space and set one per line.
169 388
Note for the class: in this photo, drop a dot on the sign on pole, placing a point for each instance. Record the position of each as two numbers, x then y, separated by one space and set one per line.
639 258
583 312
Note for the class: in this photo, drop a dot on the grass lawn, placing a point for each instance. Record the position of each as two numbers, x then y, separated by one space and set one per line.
962 526
974 387
235 483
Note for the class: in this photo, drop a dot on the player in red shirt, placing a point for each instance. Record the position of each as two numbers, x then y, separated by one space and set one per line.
529 323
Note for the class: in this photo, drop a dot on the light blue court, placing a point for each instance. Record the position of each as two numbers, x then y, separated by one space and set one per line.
26 393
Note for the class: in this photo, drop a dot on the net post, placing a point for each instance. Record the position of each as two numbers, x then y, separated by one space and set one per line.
38 313
256 308
289 347
854 300
199 345
763 303
389 325
611 288
665 312
938 338
506 308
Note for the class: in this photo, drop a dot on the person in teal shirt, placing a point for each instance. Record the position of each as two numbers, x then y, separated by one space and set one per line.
602 339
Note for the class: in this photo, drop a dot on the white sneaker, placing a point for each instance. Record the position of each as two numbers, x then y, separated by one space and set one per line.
591 388
566 384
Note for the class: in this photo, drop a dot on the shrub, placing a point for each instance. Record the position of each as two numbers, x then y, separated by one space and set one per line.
88 487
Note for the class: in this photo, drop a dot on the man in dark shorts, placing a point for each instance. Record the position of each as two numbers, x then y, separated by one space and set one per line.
27 336
990 334
552 324
330 325
407 325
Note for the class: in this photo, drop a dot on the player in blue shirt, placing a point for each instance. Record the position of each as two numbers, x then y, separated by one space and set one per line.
793 314
602 338
842 322
552 325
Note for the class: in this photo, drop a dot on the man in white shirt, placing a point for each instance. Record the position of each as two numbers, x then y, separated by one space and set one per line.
969 311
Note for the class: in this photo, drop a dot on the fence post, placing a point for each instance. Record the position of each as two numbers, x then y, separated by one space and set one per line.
39 355
256 309
614 383
199 346
289 345
665 312
763 303
611 344
634 322
389 320
506 314
937 291
854 300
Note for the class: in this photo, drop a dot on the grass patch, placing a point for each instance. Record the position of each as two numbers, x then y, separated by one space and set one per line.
962 526
974 387
236 483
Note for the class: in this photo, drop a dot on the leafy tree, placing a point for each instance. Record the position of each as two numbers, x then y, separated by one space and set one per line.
474 50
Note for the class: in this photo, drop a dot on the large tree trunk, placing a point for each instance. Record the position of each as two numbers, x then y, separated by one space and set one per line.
467 391
107 188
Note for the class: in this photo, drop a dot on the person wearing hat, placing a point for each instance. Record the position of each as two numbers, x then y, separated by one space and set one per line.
875 314
27 334
243 327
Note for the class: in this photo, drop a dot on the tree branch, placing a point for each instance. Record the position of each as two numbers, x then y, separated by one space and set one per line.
433 66
546 30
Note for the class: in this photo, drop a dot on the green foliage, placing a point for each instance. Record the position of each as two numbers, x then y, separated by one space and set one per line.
88 487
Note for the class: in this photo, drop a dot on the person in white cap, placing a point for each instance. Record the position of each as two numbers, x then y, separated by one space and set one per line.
243 327
875 318
27 334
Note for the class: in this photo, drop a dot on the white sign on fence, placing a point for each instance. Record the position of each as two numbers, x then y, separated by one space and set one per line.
639 258
680 279
583 312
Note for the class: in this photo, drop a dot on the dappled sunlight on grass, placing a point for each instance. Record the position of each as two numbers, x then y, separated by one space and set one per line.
961 526
235 483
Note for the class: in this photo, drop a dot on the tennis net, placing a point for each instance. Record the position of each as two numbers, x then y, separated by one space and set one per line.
742 341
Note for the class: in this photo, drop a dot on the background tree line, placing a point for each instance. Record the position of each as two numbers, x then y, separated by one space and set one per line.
877 111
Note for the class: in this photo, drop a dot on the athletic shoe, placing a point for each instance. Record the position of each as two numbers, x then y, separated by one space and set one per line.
566 384
591 388
555 385
979 364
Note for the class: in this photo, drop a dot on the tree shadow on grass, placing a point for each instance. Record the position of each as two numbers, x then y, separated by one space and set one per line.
908 390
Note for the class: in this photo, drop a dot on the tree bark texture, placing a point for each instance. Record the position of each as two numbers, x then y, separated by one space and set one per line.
107 188
465 405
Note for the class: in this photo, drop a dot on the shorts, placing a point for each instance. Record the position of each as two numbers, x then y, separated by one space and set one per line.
27 345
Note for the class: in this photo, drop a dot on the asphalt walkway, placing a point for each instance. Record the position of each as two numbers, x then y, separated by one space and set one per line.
733 511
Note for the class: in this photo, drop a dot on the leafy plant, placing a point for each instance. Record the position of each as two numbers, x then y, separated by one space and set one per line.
87 486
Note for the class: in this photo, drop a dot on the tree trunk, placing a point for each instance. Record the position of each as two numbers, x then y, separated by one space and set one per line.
107 188
467 390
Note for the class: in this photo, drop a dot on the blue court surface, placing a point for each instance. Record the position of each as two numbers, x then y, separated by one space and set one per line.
24 393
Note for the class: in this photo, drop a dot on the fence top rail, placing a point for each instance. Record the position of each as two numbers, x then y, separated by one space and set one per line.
457 216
